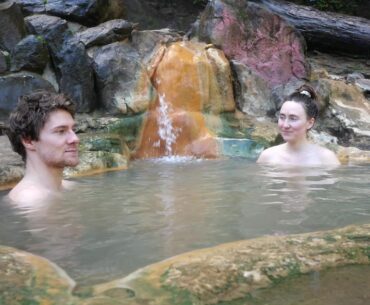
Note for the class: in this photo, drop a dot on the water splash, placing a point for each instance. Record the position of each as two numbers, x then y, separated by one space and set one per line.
166 131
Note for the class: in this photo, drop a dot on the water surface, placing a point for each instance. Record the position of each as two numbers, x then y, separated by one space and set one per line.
348 285
115 223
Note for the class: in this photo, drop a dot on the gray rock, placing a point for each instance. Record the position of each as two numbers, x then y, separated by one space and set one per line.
11 166
72 65
363 84
12 28
252 93
87 12
30 54
105 33
53 30
4 61
159 14
146 42
122 80
352 77
17 84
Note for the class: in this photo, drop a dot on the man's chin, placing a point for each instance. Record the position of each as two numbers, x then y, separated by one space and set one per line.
72 163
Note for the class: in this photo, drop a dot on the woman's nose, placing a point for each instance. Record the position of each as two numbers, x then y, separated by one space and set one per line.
286 123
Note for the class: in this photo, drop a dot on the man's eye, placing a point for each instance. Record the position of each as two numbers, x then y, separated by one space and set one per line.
60 131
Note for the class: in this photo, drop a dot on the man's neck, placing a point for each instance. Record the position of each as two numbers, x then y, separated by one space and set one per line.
43 175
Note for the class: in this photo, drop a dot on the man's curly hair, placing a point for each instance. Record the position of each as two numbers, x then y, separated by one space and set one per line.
30 115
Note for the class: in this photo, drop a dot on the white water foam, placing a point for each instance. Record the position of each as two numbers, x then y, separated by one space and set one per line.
166 131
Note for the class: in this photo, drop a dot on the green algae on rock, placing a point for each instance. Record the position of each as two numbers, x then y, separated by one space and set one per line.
29 279
232 271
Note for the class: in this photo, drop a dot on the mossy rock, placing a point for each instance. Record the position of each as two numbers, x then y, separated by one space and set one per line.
231 272
29 279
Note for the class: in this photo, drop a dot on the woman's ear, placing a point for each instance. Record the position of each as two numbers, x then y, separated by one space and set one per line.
310 123
28 143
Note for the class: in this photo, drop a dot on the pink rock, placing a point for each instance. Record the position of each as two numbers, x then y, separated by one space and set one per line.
256 37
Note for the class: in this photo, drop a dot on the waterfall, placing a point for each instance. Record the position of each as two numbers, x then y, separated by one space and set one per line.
167 133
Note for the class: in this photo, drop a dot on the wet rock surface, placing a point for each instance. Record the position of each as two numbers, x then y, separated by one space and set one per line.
221 274
231 271
30 279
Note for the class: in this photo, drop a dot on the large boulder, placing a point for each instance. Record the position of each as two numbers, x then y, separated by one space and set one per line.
232 273
17 84
252 35
30 279
252 94
106 33
147 43
12 28
123 82
191 78
87 12
30 54
72 65
159 14
348 114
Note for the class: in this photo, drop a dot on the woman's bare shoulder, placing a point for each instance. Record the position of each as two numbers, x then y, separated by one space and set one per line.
270 154
327 156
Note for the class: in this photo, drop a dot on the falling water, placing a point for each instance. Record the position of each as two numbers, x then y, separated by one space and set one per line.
166 131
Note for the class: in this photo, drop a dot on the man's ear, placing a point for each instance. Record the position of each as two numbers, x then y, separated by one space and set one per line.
28 143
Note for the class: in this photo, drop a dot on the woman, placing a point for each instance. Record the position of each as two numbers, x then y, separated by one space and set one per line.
297 116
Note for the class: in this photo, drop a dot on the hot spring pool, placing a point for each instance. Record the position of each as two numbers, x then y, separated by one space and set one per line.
112 224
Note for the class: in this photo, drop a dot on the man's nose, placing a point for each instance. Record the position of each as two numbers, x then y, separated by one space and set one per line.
73 138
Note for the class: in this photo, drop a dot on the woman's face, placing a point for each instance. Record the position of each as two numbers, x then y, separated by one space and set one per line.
293 122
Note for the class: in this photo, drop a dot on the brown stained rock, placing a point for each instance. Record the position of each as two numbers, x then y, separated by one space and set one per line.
190 78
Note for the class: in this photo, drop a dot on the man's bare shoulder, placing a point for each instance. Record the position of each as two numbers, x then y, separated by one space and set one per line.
68 184
25 192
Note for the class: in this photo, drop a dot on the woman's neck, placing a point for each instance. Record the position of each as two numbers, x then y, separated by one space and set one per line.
298 146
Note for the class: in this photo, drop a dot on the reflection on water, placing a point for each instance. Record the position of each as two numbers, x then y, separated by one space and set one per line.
115 223
341 286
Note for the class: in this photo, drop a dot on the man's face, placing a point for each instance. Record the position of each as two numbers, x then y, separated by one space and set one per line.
57 145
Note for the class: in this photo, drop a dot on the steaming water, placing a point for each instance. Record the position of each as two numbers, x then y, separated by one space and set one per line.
114 223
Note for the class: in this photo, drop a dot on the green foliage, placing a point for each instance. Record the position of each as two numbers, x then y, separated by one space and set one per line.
41 39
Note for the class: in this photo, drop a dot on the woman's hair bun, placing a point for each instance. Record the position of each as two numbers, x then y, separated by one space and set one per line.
307 91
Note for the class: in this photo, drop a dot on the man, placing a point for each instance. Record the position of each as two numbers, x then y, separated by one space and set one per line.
41 130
